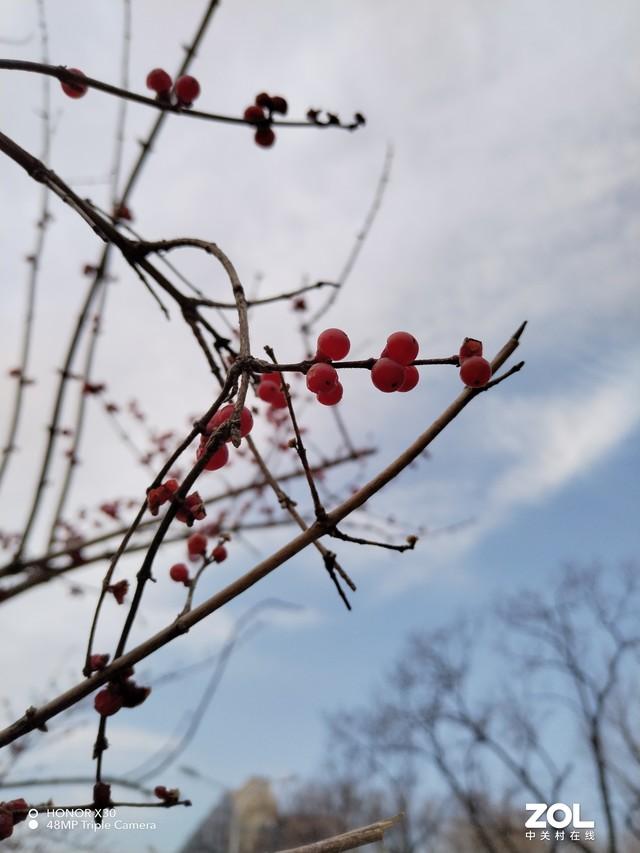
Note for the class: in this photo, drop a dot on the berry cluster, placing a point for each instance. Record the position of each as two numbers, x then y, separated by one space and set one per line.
11 813
120 693
393 371
260 114
197 547
475 371
182 93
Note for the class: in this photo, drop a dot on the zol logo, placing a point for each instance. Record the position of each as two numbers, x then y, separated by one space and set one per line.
543 815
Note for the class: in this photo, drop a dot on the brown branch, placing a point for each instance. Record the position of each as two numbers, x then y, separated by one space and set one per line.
349 840
35 718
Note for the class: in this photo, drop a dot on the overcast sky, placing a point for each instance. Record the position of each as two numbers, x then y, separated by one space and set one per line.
513 196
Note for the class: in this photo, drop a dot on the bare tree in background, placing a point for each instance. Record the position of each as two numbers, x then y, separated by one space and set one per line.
555 722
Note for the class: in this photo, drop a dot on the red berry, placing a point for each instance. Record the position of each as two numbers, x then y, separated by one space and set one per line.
263 100
334 343
196 545
6 823
159 81
265 137
402 347
160 791
98 662
279 105
387 375
321 377
18 808
411 378
193 509
254 114
107 702
279 401
179 573
219 458
74 90
330 398
268 391
219 553
187 90
246 420
271 377
475 371
469 348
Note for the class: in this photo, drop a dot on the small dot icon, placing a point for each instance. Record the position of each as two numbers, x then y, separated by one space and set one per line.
32 823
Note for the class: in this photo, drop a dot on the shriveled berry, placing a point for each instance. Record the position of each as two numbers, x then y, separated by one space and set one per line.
196 545
475 371
159 81
387 375
331 397
263 100
265 137
334 343
469 348
246 419
219 554
268 391
119 590
179 573
321 377
186 89
402 347
74 89
254 114
193 509
279 105
132 694
107 702
411 378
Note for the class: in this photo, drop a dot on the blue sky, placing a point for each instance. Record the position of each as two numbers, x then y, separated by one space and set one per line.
513 195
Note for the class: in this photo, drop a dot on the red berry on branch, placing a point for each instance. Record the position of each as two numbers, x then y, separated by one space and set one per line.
107 702
331 397
263 100
219 554
274 376
254 114
321 377
268 391
19 809
193 509
334 343
187 90
179 573
279 105
475 371
402 347
132 694
218 459
98 662
470 347
265 137
159 81
387 375
246 420
196 545
411 378
160 791
279 401
74 89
